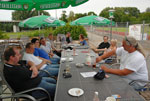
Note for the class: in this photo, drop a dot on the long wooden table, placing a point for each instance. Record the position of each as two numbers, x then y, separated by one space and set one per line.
107 87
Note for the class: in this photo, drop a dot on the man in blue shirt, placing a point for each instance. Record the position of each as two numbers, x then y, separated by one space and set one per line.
41 53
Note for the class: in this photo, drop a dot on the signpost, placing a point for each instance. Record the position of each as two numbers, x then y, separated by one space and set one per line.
111 16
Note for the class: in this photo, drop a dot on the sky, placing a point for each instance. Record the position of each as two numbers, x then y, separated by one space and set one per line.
92 5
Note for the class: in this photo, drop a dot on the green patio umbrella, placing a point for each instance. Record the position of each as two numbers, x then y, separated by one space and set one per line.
92 20
41 21
38 4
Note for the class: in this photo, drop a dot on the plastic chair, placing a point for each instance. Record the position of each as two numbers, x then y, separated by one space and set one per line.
24 39
145 92
61 38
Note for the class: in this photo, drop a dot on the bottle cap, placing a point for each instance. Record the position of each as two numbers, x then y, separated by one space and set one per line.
96 93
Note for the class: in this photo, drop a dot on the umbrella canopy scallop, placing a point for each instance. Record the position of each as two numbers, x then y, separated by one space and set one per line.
38 4
41 21
92 20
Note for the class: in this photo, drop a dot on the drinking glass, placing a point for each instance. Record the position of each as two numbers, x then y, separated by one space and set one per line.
94 62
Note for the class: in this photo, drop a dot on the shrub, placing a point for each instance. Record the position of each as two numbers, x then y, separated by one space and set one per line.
1 35
74 30
34 33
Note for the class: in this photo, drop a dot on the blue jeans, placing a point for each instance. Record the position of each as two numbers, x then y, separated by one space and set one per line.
48 84
55 60
53 65
134 84
51 69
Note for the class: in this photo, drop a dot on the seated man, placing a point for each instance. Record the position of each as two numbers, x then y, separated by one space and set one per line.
132 65
50 39
23 75
41 63
102 46
46 46
41 53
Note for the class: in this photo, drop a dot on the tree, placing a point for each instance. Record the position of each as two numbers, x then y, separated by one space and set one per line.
133 11
91 13
21 15
79 15
121 14
105 12
71 16
145 17
148 9
63 16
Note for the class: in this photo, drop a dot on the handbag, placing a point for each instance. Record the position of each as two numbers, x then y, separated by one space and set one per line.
100 75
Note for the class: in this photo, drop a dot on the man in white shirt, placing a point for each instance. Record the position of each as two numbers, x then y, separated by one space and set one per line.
133 65
46 46
50 39
41 63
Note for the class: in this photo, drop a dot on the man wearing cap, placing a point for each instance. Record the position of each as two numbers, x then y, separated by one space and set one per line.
132 62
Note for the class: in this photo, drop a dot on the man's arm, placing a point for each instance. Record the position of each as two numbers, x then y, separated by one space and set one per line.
99 50
40 65
122 72
54 49
47 61
33 68
108 54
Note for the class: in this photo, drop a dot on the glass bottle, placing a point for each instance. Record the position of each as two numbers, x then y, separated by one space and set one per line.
74 51
96 97
88 60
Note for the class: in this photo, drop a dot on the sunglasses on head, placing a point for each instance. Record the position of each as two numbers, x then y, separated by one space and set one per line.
128 40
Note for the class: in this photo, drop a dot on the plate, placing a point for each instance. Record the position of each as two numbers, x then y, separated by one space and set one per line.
76 92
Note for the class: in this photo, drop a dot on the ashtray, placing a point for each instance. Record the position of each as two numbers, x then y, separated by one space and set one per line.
67 75
70 59
79 64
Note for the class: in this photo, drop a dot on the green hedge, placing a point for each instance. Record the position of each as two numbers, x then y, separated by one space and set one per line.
2 35
32 33
74 30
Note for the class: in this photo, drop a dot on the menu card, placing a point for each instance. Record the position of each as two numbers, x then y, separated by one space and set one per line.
88 74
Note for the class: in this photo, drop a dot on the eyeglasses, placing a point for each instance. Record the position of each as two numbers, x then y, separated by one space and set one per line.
128 40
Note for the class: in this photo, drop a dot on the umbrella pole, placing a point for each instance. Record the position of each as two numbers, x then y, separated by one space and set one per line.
91 31
111 30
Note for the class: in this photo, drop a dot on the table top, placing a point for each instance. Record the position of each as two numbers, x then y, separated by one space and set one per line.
77 46
107 87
